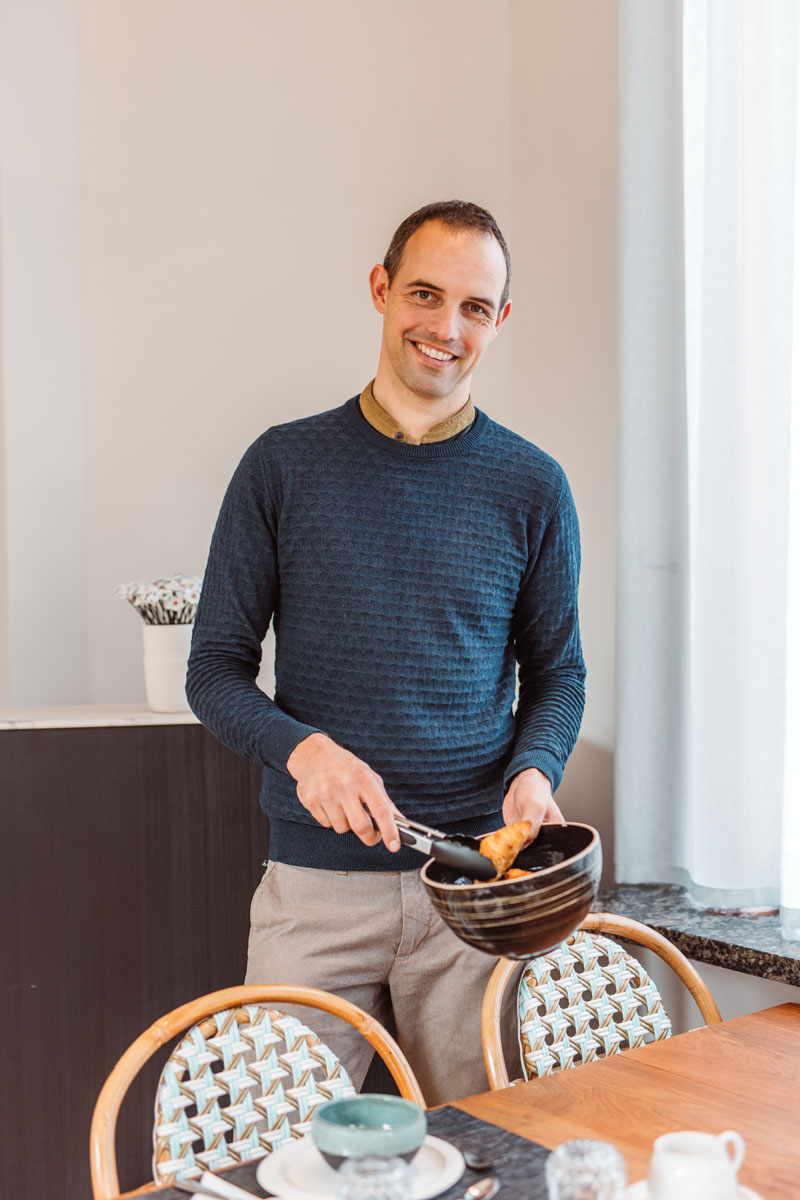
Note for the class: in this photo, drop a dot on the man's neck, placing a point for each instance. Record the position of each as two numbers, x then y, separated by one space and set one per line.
385 423
416 415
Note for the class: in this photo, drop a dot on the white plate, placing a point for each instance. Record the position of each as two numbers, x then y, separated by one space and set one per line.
297 1171
640 1191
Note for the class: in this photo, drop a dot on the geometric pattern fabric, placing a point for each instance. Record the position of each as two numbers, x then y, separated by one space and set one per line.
586 999
240 1084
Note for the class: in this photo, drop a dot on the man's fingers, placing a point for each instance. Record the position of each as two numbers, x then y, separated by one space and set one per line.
332 816
554 813
321 817
370 818
535 820
382 811
359 821
341 792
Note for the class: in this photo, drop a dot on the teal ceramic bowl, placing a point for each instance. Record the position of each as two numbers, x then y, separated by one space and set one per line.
386 1126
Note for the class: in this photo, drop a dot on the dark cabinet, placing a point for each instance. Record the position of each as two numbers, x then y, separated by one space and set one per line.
128 857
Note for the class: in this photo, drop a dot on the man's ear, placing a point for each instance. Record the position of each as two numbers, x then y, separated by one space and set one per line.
506 309
379 286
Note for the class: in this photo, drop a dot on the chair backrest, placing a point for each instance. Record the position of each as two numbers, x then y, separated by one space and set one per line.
270 1067
587 998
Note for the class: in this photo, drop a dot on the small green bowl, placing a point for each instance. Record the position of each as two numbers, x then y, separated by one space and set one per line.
387 1126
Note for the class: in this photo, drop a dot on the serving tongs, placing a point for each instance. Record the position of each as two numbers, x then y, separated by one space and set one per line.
451 849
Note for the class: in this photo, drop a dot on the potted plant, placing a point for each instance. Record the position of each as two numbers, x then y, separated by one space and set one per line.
167 607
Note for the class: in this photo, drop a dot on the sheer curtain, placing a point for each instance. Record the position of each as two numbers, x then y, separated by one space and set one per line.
708 750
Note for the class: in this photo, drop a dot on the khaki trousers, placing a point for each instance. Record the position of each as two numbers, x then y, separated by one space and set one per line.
375 939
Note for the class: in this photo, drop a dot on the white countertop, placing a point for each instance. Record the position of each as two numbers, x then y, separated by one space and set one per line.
87 716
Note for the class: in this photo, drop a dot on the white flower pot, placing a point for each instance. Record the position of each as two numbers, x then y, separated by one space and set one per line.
166 653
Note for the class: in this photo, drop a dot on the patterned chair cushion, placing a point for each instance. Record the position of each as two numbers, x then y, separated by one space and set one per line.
240 1084
585 999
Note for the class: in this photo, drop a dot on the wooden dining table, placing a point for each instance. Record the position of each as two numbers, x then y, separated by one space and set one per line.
742 1074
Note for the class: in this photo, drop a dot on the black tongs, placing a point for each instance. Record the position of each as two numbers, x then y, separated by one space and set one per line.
452 849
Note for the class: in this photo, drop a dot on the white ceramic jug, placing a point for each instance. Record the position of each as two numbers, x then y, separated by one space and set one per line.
695 1166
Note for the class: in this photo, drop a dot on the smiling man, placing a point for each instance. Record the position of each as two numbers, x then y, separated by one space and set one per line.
412 554
443 298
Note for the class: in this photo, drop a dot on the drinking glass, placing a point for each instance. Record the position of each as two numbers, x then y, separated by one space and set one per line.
373 1178
585 1170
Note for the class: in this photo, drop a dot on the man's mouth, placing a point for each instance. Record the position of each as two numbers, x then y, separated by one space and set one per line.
432 352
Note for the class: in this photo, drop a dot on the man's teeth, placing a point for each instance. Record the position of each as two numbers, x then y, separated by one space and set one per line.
433 353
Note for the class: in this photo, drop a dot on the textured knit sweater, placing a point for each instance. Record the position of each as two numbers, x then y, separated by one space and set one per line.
404 582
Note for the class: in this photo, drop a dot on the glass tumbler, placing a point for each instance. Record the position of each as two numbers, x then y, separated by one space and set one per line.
585 1170
373 1178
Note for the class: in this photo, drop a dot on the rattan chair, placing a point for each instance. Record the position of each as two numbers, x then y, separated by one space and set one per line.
271 1068
587 998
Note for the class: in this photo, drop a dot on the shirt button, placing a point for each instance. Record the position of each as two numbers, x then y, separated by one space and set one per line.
398 437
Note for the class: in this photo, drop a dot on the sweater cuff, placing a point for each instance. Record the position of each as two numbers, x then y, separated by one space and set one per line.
284 734
543 760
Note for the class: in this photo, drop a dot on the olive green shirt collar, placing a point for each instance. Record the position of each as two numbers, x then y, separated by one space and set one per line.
381 420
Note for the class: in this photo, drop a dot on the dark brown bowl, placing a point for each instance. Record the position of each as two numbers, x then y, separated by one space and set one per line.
519 918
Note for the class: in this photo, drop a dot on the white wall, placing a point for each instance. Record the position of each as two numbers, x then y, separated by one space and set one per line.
241 169
218 179
565 350
244 166
42 468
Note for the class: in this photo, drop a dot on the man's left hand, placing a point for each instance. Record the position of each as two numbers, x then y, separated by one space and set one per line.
530 798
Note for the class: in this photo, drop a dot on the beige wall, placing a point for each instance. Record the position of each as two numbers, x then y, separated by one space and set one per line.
244 166
564 365
42 475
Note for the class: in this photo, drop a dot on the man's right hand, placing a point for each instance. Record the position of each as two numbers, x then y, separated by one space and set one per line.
341 792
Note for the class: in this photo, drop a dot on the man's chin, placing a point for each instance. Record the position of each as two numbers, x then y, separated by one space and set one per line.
431 389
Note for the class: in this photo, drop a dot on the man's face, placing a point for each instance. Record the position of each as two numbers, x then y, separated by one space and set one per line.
442 309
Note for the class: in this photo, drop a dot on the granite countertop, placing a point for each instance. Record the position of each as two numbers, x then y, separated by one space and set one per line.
753 945
88 716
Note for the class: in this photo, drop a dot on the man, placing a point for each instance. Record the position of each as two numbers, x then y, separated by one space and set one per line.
410 552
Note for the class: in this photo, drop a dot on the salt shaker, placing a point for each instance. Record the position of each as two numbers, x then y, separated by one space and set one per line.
373 1178
585 1170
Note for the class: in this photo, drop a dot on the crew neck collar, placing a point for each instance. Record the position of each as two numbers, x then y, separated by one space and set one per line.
385 423
452 448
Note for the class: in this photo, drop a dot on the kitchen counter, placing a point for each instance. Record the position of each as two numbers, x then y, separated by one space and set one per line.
89 716
754 945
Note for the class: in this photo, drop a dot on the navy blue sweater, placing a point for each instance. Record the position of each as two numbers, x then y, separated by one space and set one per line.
403 582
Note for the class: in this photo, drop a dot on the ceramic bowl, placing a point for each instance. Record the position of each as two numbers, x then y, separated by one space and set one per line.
519 918
387 1126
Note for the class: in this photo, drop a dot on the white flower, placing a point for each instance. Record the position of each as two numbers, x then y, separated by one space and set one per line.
164 601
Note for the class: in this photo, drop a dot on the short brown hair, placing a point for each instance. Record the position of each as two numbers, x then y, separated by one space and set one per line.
456 214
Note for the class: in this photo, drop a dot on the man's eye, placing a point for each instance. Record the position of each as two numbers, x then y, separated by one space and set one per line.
423 294
478 309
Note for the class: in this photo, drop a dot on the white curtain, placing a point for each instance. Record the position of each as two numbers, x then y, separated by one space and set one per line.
708 751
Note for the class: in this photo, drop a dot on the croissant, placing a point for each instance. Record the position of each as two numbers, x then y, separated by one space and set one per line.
503 846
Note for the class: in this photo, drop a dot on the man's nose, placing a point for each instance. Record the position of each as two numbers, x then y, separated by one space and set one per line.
445 323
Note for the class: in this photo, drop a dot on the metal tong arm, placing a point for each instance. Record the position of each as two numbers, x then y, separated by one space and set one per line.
420 833
447 850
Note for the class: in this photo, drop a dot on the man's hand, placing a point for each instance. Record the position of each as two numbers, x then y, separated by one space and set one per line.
530 798
340 791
